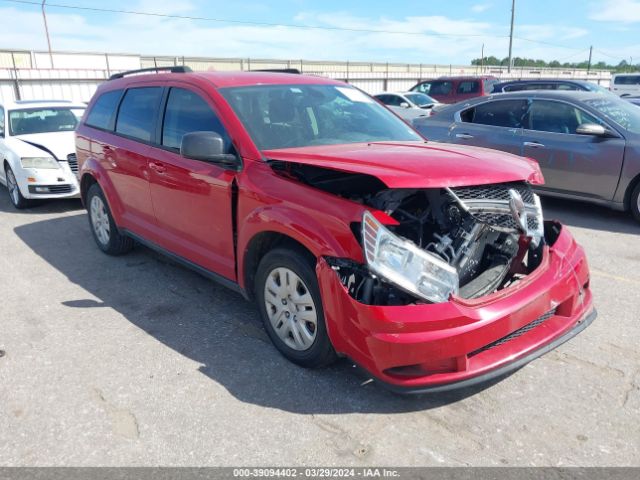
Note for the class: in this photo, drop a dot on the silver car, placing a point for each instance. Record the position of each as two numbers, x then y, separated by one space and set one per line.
408 105
587 144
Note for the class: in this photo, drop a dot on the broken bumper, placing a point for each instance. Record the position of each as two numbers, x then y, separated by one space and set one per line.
456 344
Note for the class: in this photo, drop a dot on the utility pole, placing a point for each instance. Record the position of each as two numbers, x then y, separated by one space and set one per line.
590 55
513 13
482 60
46 31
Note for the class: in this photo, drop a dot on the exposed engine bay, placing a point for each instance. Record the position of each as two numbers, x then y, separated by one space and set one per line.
492 235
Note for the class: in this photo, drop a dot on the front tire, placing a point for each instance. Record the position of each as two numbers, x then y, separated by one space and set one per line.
289 301
103 227
634 203
15 196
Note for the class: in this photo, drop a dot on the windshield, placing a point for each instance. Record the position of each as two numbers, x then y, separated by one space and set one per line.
43 120
420 99
623 113
289 116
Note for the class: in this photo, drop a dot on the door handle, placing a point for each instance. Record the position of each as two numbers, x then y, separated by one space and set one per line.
157 167
534 144
464 136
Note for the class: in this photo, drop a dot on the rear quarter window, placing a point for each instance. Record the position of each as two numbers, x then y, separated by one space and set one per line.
103 111
627 80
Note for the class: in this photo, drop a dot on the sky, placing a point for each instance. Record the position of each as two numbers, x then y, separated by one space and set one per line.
426 31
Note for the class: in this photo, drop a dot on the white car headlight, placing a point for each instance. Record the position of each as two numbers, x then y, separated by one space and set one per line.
404 264
39 162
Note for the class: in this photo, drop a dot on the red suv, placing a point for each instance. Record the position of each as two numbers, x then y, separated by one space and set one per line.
428 265
456 89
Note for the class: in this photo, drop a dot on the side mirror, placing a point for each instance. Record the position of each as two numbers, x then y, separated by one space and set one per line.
593 129
405 105
208 147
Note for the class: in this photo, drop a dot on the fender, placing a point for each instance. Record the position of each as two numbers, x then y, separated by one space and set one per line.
314 235
311 232
93 168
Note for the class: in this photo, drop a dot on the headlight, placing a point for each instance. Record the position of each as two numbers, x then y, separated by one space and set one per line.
404 264
39 162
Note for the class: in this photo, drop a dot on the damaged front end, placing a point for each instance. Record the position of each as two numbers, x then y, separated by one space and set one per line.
425 245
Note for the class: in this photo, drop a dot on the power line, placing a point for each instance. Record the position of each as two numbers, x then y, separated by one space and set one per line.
246 22
287 25
542 42
573 55
607 54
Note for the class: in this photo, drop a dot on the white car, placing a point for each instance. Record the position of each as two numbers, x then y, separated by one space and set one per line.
408 105
37 149
626 84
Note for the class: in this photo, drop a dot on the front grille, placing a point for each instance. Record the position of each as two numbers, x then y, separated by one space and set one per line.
497 191
491 205
73 162
518 333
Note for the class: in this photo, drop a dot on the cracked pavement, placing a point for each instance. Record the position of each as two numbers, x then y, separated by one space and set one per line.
136 361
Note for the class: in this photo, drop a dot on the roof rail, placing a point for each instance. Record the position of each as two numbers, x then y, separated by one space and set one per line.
175 69
294 71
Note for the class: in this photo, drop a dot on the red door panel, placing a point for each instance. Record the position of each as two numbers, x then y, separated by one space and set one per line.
192 204
127 169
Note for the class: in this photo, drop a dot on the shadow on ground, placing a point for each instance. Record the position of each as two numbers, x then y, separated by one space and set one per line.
586 215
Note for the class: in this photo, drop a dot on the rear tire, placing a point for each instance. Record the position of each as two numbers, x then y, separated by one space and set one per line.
15 196
103 227
634 203
290 304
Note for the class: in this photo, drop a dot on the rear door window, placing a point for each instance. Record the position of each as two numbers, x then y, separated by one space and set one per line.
435 87
188 112
103 111
501 113
466 87
138 112
1 122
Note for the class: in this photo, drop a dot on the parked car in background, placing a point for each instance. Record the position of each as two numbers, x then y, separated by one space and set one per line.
37 149
547 84
633 100
456 89
430 266
626 84
408 105
587 144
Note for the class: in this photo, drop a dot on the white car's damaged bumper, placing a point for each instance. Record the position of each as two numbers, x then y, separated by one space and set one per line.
48 183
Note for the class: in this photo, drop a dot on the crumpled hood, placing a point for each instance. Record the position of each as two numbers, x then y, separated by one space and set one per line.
417 164
60 144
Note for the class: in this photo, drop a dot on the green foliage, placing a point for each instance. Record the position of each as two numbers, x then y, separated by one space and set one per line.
621 67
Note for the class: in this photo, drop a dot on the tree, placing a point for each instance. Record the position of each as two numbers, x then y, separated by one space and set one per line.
623 66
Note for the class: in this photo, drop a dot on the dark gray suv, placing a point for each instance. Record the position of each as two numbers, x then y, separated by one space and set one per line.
587 144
